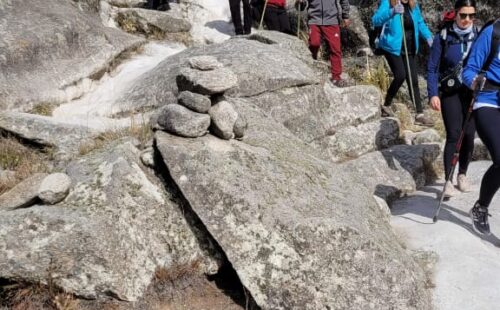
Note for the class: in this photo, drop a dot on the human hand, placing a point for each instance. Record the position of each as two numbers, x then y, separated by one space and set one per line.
398 8
435 103
345 23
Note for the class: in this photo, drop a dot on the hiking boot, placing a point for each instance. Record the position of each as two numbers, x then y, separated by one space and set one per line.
479 216
386 111
423 120
463 183
449 190
340 83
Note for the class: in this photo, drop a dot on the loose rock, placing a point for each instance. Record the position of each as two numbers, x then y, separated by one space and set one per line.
195 102
224 118
54 188
183 122
204 63
212 82
23 194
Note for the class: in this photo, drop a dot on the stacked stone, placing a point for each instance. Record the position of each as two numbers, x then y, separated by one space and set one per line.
201 106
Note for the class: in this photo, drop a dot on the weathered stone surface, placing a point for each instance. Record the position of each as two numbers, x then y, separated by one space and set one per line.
314 112
353 141
195 102
54 188
204 63
68 45
128 3
240 126
211 82
147 157
46 131
115 228
480 151
151 21
397 171
223 118
181 121
23 194
7 176
259 67
300 232
427 136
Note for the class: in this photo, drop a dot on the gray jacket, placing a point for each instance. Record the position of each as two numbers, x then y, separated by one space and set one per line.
326 12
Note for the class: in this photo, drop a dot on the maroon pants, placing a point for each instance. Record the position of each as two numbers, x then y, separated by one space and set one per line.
331 34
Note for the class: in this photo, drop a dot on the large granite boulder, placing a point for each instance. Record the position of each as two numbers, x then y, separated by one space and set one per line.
110 234
299 231
259 67
46 65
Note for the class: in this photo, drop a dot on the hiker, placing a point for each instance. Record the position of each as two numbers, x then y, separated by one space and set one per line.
482 74
391 43
276 16
235 7
446 91
324 20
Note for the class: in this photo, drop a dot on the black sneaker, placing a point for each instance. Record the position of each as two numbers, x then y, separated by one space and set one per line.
479 216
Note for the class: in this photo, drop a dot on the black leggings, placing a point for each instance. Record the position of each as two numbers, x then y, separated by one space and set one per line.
398 68
277 19
454 110
488 128
235 7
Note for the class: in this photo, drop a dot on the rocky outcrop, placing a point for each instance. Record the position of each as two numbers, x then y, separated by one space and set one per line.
46 65
300 232
110 234
158 24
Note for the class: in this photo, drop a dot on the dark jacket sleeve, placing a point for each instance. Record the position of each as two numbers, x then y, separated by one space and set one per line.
344 4
433 67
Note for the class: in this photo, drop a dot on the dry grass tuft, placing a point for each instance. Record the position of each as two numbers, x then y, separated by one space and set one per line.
43 108
141 132
163 275
23 160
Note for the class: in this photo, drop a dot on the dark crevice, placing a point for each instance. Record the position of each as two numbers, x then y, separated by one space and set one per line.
226 278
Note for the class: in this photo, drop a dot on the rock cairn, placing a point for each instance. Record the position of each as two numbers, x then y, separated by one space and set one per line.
201 106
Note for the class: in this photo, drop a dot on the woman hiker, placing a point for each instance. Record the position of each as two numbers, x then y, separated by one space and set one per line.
485 56
276 16
447 93
388 16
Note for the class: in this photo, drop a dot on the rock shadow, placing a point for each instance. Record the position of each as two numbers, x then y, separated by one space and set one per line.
221 26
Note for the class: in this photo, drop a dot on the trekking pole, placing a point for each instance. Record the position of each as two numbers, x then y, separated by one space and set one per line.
456 155
263 13
408 64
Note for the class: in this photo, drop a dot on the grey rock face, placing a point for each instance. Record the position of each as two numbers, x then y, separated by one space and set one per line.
54 188
68 45
223 118
271 68
196 102
396 171
240 126
44 130
211 82
300 233
147 157
115 228
204 63
181 121
149 21
427 136
353 141
23 194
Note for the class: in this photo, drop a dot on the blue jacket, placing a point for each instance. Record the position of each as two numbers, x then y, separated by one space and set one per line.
456 46
477 58
391 39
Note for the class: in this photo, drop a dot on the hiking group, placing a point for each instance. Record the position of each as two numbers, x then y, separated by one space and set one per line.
463 74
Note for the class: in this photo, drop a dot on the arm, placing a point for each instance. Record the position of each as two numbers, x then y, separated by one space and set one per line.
382 15
423 30
478 55
433 67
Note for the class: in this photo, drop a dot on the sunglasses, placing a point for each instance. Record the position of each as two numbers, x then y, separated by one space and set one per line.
465 15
